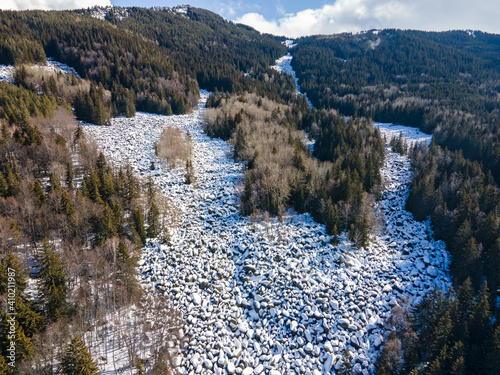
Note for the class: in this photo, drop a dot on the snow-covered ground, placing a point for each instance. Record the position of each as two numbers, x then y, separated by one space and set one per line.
264 296
412 135
7 71
284 65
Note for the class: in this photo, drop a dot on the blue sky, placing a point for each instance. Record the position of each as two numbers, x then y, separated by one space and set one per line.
232 9
297 18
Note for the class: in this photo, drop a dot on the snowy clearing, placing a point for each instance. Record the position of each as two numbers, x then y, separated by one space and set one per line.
7 71
412 135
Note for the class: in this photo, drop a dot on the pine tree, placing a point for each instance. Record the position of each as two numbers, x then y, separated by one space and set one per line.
39 192
190 178
346 366
24 345
118 221
492 265
139 367
104 225
107 186
30 320
153 220
480 329
5 133
4 186
123 255
131 185
101 164
53 282
77 359
120 183
78 133
247 200
55 184
70 176
493 359
466 263
138 221
67 204
4 367
13 179
90 186
11 261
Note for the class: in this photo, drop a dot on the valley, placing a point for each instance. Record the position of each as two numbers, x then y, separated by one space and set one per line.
268 295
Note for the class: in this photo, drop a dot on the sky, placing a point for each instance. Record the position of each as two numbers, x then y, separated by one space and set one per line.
294 18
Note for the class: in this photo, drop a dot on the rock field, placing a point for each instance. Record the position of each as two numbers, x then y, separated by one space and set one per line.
264 297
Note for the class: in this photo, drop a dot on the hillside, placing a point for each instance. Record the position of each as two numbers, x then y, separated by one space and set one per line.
446 84
179 194
150 60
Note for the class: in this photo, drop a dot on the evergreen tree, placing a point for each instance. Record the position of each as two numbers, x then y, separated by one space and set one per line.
139 367
123 255
53 282
138 223
492 265
67 204
12 177
104 225
493 360
70 176
78 133
21 280
4 186
39 192
467 262
77 359
346 367
4 367
55 184
90 186
131 185
153 220
190 178
247 201
480 330
24 345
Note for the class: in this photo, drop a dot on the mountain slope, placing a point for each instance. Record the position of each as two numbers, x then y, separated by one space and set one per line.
441 82
150 59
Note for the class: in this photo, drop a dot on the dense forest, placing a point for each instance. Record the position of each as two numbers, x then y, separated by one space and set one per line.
151 60
447 84
71 230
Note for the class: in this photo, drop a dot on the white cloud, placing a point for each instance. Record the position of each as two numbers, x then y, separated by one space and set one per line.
51 4
357 15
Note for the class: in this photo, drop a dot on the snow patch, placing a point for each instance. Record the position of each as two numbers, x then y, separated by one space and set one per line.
284 65
7 71
289 43
412 135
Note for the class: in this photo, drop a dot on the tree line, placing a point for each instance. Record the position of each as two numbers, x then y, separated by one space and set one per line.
71 226
152 60
446 83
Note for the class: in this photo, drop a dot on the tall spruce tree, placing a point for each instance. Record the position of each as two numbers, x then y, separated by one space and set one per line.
53 282
77 359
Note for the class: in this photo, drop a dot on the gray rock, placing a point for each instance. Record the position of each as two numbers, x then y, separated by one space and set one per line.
196 298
